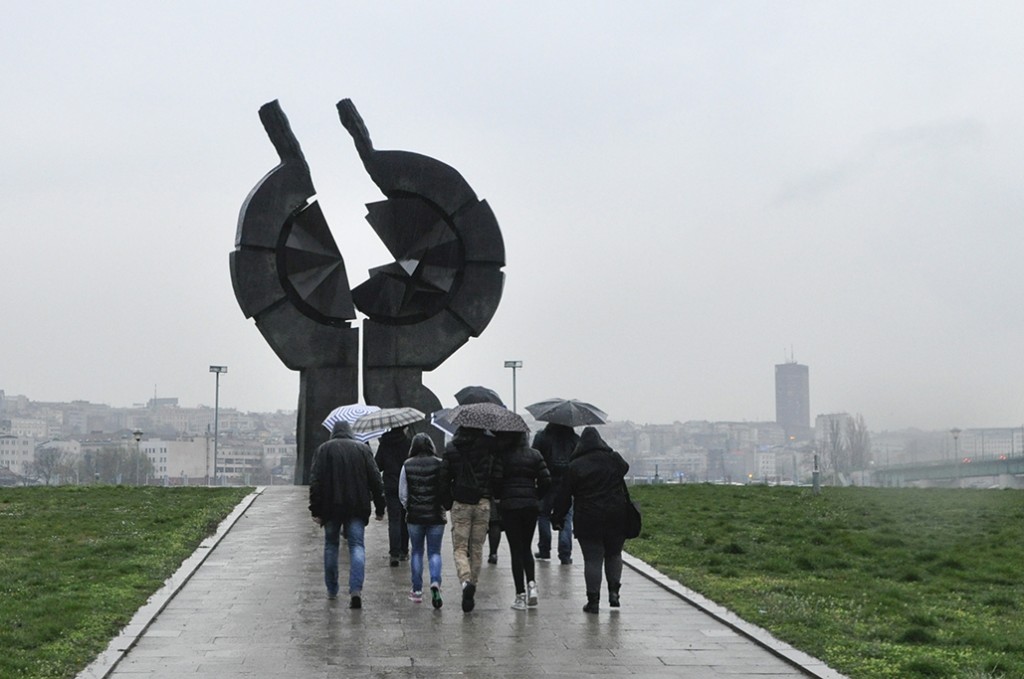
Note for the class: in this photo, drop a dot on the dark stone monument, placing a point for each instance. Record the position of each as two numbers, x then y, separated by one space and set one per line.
289 275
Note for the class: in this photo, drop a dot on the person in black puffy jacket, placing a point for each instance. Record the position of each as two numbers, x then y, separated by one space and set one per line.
521 481
595 488
423 490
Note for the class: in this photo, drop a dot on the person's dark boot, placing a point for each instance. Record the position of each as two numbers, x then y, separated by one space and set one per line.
593 601
613 595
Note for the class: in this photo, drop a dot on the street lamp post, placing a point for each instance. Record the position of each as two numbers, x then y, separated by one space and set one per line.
138 453
515 365
956 453
217 370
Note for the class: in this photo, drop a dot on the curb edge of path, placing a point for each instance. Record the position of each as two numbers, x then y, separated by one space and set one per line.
119 646
802 661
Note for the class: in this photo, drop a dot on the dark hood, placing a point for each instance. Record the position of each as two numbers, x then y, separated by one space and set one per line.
342 430
590 440
422 445
394 436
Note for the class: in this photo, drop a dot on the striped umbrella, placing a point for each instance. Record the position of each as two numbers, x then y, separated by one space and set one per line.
387 418
350 413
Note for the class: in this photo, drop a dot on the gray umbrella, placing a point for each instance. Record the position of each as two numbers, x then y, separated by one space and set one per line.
488 416
387 418
567 411
477 394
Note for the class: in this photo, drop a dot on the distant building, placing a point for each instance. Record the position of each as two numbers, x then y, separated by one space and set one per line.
793 400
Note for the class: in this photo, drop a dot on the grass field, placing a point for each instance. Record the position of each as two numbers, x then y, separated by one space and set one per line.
76 563
875 582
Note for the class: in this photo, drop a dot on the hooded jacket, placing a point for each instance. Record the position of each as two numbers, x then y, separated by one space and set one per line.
556 442
594 486
521 476
344 478
424 484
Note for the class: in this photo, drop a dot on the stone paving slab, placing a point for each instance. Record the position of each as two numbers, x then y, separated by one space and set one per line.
253 604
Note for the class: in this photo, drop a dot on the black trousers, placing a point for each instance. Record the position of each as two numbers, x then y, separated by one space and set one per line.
602 553
519 525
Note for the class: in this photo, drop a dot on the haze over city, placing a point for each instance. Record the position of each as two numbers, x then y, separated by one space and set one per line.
689 193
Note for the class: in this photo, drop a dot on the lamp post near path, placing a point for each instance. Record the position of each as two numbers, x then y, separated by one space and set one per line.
217 370
515 365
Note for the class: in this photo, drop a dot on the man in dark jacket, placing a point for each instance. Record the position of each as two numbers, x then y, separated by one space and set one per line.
555 443
470 469
595 487
342 481
391 455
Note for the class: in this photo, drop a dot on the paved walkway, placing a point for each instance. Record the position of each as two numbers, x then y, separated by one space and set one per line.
251 603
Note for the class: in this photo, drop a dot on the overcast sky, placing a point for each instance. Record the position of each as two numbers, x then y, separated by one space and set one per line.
688 192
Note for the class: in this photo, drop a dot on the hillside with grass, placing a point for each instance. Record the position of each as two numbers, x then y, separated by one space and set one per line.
878 583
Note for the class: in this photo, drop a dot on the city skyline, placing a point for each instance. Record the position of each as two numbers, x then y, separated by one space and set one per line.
689 193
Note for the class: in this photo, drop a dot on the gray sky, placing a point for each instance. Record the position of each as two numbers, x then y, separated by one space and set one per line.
687 191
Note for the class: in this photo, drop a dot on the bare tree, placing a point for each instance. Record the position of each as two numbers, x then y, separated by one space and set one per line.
47 464
859 442
832 448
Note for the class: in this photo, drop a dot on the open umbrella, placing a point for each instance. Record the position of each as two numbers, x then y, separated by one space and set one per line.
477 394
350 413
488 416
387 418
567 411
442 419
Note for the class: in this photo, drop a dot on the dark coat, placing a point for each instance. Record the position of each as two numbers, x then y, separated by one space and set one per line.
521 476
556 443
594 486
344 478
426 484
469 462
391 455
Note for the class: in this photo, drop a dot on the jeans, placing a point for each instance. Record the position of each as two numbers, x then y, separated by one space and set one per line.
432 535
355 531
564 536
398 534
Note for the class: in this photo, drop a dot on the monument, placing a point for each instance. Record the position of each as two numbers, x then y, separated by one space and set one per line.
442 288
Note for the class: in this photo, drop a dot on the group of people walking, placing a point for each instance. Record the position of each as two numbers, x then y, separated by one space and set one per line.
561 482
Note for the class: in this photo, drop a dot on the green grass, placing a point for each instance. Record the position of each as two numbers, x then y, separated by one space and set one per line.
875 582
76 563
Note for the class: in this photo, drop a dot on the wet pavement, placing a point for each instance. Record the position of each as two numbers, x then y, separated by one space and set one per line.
251 603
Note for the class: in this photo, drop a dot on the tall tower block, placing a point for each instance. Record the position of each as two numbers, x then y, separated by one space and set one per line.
793 399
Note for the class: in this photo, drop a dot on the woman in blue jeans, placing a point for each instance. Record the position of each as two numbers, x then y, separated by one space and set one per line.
422 487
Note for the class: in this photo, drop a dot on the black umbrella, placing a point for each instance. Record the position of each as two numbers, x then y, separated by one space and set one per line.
477 394
570 412
488 416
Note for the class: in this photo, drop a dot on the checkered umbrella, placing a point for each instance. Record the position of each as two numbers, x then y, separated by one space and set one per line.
567 411
350 413
387 418
488 416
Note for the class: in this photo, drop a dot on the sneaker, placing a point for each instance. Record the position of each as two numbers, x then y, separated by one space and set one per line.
404 556
394 562
531 594
331 596
416 597
435 596
520 603
566 561
542 556
356 601
492 558
468 590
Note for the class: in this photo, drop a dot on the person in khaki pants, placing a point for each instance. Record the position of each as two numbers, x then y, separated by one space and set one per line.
470 468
